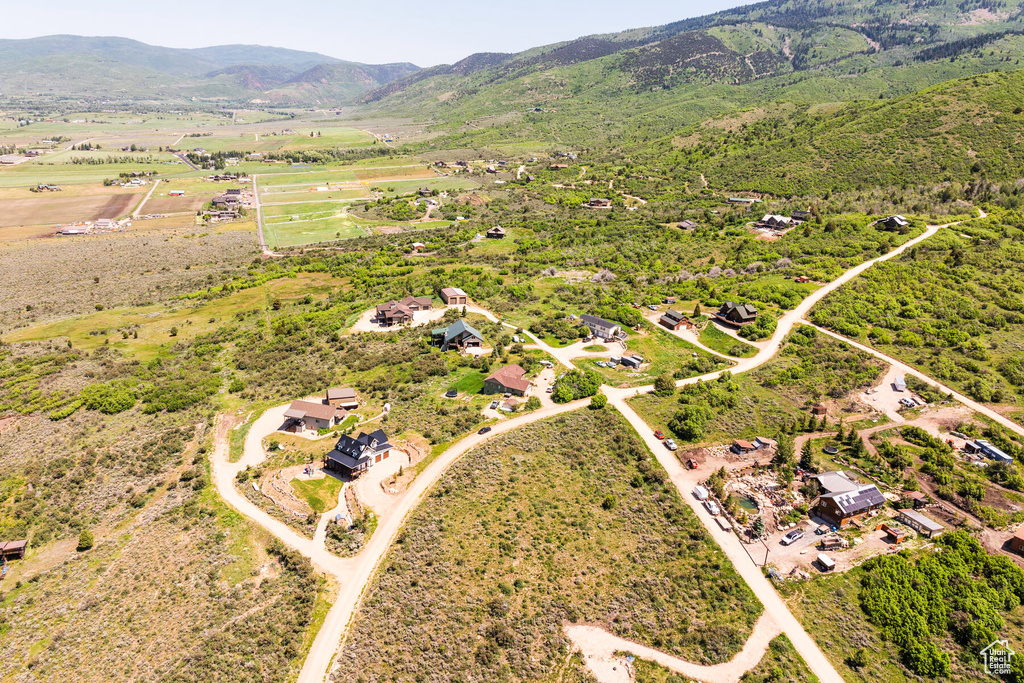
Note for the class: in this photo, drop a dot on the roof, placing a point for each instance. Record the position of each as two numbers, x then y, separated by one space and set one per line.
836 482
922 521
302 409
858 500
362 445
336 393
454 330
512 377
453 291
421 300
497 229
589 320
674 317
13 545
746 445
687 224
992 451
900 381
744 311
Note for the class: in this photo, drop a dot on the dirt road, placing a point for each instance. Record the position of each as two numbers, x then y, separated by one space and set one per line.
599 648
354 574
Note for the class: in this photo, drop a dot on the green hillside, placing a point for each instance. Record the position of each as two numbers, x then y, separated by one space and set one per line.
637 86
969 128
105 67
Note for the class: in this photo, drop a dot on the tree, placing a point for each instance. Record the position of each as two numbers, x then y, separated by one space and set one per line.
758 528
85 540
806 457
532 403
174 331
696 310
664 385
598 402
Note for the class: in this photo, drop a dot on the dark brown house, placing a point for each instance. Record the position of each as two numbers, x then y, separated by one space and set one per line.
841 508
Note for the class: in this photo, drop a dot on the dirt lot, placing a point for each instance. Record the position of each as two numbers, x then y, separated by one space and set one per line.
54 209
167 204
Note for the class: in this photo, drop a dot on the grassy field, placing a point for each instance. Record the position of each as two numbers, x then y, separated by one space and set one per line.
56 208
663 352
539 526
312 228
716 340
471 383
154 323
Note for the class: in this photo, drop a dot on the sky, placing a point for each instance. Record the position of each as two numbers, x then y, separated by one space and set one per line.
423 33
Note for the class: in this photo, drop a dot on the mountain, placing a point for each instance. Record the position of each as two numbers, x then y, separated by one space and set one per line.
110 67
647 82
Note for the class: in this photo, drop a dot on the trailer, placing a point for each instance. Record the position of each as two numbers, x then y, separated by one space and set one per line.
827 563
723 524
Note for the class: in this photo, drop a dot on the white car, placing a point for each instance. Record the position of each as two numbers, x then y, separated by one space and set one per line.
670 444
792 537
712 507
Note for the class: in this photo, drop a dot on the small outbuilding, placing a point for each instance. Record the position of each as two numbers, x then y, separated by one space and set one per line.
925 526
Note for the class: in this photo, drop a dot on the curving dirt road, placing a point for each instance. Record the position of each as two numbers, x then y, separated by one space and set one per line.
354 574
599 648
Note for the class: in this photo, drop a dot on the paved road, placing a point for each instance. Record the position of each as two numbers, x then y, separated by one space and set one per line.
355 574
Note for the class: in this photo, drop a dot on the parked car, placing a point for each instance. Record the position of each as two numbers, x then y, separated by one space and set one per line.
549 390
652 307
691 463
712 507
670 444
660 435
792 537
494 405
600 364
484 430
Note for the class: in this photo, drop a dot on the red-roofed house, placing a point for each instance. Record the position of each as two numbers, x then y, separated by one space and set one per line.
511 379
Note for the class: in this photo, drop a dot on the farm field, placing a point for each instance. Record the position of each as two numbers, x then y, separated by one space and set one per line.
310 228
237 139
54 208
526 532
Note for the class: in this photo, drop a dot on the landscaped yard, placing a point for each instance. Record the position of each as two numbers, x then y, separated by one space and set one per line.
321 494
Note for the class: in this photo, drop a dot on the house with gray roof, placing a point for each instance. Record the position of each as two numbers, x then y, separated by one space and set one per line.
459 335
354 455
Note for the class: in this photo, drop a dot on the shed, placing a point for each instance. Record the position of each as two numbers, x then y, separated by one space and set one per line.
1017 542
900 383
826 563
742 447
923 525
13 550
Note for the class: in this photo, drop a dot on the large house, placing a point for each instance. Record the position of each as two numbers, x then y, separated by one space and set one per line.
737 314
459 335
401 312
453 296
844 500
599 203
599 327
312 416
354 455
342 397
775 222
496 233
511 379
673 320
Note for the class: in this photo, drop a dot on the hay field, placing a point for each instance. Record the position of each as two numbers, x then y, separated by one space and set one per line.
52 209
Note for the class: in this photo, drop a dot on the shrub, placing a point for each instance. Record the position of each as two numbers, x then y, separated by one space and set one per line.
85 540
